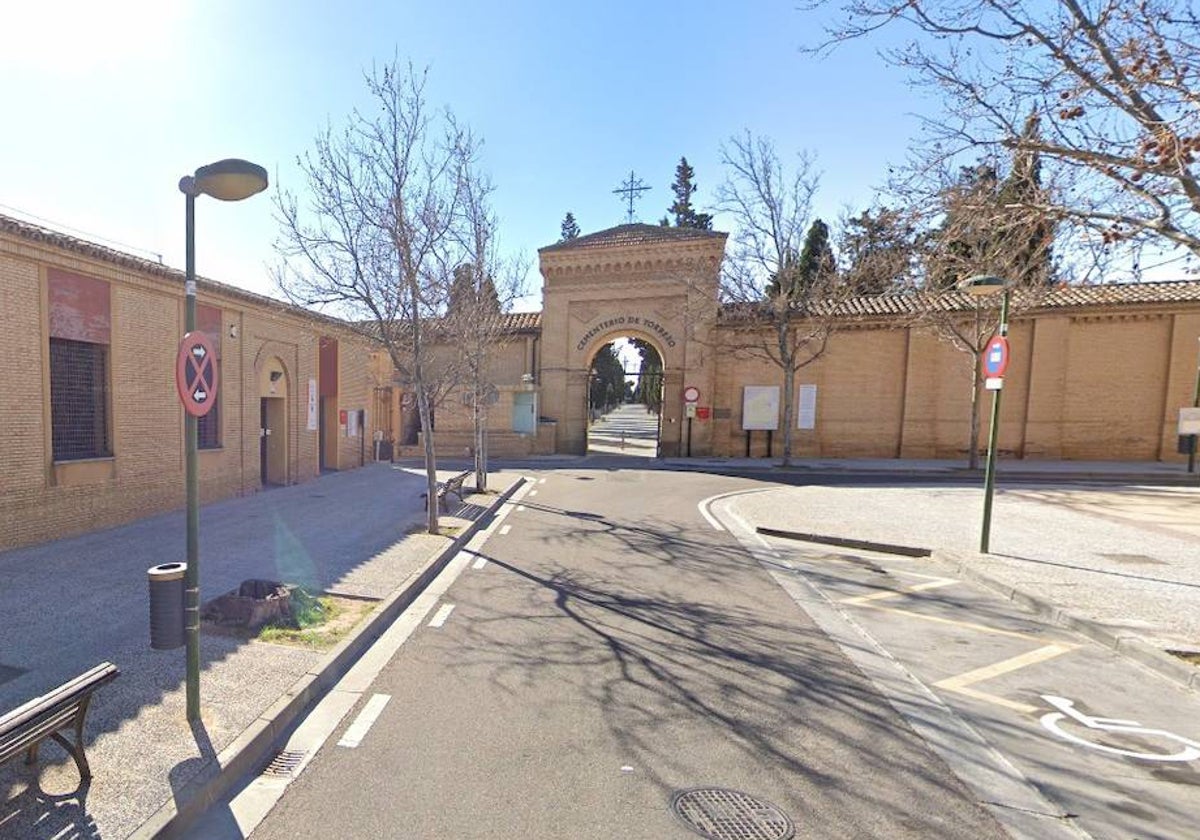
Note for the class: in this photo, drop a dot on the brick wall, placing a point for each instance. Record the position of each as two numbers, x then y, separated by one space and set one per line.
41 499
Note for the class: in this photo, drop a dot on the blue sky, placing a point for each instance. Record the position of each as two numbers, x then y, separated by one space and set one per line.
107 105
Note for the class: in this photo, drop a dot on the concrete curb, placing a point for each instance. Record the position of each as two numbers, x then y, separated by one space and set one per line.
844 542
1128 645
250 749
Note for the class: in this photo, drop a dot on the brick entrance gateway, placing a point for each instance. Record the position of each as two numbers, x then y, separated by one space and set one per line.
1098 372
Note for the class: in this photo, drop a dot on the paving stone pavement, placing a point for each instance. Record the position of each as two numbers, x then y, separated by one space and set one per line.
1128 558
69 604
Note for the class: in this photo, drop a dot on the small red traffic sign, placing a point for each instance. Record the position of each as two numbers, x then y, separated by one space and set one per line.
691 394
995 357
196 374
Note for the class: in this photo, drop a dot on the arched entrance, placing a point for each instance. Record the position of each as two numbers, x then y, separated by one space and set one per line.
624 393
648 282
273 389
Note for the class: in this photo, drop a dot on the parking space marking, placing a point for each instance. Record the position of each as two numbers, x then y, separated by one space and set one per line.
504 530
961 684
889 594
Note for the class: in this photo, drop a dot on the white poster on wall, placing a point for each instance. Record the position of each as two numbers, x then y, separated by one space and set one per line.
352 424
806 408
312 405
760 408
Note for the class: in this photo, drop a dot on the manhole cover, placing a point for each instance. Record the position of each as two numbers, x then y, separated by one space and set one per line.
724 814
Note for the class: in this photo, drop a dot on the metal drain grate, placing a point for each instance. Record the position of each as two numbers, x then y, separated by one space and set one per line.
285 763
724 814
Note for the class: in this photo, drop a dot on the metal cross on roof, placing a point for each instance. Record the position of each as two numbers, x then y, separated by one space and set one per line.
631 189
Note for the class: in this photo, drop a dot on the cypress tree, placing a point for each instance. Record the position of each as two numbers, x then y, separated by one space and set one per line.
683 188
570 229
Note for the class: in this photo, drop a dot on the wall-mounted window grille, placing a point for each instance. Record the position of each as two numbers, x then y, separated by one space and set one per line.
80 333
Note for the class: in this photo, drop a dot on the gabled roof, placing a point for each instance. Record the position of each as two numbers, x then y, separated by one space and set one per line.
635 234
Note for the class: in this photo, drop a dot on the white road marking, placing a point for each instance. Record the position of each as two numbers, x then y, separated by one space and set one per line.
479 563
249 807
703 506
365 720
1066 708
532 493
1006 792
442 614
541 481
504 531
520 508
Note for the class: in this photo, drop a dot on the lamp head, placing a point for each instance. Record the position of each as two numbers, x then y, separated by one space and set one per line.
982 285
231 179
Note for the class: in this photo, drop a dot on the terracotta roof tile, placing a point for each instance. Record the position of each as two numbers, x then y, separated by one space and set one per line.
635 234
1062 297
37 233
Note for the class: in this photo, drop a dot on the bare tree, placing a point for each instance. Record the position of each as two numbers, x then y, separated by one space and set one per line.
1114 83
382 200
483 286
773 310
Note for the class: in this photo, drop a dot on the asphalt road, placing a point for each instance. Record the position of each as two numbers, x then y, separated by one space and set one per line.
612 650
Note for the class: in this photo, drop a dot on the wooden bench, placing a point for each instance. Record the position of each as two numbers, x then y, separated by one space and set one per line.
24 728
451 485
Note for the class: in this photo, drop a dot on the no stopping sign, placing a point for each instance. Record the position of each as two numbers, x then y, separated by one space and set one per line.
196 374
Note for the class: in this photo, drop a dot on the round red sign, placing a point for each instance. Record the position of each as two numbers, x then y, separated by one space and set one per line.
995 357
691 394
196 374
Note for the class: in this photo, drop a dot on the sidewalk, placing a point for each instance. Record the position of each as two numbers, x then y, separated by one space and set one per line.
1119 564
1007 469
67 605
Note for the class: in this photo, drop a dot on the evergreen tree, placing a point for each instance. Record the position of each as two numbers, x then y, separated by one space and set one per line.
607 386
816 256
683 188
879 248
570 229
468 295
649 385
1033 236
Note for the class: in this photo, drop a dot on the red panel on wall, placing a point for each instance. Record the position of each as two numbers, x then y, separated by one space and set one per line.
208 320
79 307
328 367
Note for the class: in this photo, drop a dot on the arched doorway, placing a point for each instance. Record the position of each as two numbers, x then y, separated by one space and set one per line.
273 389
645 281
625 398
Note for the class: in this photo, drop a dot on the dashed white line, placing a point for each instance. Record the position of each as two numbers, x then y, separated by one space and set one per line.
366 718
520 508
533 492
441 615
541 481
504 531
479 563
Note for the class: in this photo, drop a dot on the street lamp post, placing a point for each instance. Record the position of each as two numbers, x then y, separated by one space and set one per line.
227 180
982 286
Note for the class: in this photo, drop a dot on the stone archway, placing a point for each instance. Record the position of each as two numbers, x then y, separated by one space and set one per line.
656 283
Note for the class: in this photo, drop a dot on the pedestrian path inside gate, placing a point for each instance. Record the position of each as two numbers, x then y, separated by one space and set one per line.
626 430
69 604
